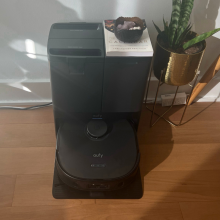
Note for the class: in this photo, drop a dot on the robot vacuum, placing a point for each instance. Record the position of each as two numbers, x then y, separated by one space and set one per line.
97 156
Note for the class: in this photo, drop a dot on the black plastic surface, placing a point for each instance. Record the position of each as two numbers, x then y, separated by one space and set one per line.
77 85
81 30
132 191
76 26
118 151
124 83
85 81
75 44
97 128
76 52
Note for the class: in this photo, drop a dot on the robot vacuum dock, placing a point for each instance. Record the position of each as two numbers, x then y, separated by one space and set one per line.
97 103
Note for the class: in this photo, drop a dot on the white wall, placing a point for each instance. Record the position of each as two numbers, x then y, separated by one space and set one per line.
24 25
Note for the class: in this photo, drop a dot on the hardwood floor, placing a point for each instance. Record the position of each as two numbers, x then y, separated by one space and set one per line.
180 167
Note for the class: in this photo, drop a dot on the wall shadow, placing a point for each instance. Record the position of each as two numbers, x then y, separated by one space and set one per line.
205 13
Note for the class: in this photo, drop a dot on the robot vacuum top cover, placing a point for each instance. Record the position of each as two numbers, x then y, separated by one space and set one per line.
97 150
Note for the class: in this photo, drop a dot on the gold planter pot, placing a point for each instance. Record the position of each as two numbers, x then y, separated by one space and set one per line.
177 69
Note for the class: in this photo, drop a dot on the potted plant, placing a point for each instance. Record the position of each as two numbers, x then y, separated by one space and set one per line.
179 50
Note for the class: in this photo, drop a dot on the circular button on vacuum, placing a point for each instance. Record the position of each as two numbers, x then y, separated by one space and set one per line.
97 128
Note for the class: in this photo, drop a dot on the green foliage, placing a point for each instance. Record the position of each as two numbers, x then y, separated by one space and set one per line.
166 28
200 38
186 10
183 36
157 28
174 20
178 31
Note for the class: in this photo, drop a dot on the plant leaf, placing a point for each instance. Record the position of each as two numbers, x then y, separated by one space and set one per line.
174 20
166 28
157 28
183 35
200 38
182 7
186 10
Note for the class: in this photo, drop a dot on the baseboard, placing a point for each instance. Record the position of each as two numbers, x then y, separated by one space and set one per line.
203 99
210 93
25 93
26 102
39 102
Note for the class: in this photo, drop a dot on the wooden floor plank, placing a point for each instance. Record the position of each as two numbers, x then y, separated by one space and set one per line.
177 186
179 165
149 211
200 210
5 213
182 186
168 157
196 132
27 135
36 116
32 160
196 112
36 190
7 186
202 129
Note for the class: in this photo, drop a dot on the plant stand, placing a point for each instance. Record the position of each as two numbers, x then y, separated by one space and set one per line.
160 83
